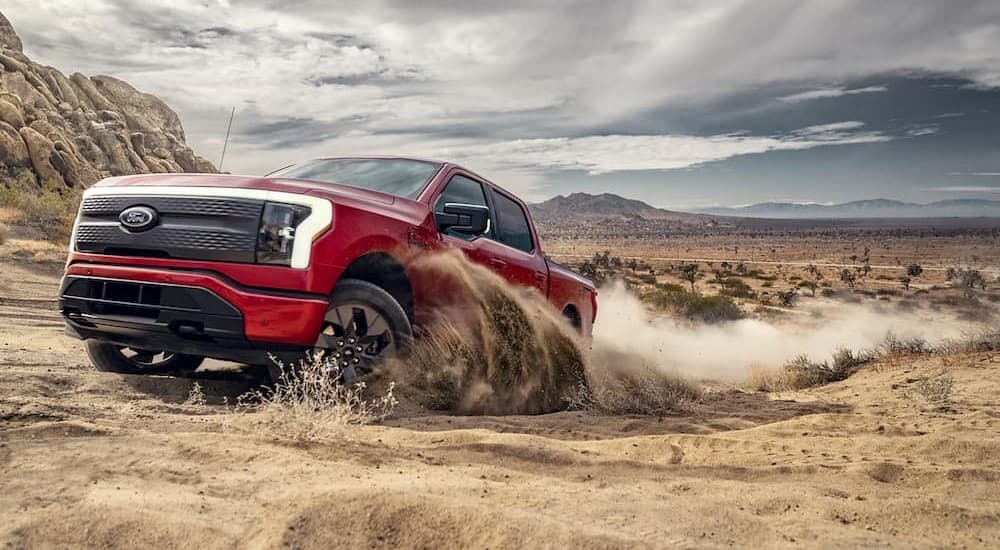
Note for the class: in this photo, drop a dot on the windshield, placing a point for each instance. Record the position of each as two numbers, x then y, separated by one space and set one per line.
400 177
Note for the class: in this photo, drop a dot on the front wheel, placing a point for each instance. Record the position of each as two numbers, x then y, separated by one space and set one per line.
109 357
363 327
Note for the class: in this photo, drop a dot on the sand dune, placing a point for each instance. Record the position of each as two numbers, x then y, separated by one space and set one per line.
103 460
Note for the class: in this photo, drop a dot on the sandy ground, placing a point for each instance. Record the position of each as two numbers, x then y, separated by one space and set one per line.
93 459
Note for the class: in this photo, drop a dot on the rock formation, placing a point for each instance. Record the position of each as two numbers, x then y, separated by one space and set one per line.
72 131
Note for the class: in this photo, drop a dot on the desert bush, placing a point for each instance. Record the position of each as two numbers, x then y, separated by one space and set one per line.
196 397
894 345
645 391
977 342
3 233
802 372
828 293
935 389
736 288
694 306
646 278
311 402
50 208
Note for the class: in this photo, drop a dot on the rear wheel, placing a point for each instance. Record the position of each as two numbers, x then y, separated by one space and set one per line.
363 327
109 357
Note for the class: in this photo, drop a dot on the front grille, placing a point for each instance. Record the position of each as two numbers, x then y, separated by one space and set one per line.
193 228
194 206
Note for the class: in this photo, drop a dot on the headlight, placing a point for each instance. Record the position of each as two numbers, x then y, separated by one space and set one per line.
276 233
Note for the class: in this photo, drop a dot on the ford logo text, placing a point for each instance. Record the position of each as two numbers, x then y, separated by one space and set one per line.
138 218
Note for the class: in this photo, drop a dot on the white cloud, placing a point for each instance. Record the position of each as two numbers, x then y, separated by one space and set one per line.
316 77
830 93
611 153
980 174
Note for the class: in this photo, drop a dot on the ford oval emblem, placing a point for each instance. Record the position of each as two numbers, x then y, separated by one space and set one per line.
138 218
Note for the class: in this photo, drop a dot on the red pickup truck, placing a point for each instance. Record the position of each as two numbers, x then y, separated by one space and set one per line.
165 270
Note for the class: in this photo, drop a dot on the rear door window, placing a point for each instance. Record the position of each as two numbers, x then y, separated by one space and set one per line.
512 223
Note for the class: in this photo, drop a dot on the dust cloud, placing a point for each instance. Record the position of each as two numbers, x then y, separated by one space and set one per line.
728 351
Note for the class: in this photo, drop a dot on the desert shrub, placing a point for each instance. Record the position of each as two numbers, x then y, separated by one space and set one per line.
646 278
977 342
828 293
670 287
894 345
736 288
767 284
311 402
935 389
645 391
50 208
802 372
3 233
694 306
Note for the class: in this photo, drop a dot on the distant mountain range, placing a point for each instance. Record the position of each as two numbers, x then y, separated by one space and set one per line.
605 205
875 208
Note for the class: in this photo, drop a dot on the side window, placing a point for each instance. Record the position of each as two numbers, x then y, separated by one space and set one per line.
465 191
512 223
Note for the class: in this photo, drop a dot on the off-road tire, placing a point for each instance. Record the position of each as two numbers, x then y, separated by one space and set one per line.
107 357
357 291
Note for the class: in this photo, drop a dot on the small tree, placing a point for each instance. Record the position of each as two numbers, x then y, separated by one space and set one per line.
689 273
914 270
848 277
811 285
788 297
969 280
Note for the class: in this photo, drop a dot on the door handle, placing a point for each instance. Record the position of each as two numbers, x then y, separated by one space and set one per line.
497 263
540 276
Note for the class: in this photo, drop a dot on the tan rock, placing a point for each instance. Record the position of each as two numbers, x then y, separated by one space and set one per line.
85 85
11 114
40 149
13 151
8 37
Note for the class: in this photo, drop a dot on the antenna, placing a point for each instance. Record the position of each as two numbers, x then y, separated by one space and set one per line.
226 143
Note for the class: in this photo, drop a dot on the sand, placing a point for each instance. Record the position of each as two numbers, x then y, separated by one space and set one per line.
95 459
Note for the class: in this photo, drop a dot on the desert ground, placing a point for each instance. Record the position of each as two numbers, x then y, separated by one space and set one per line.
904 453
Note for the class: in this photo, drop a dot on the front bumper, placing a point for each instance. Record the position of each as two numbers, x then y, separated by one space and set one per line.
186 312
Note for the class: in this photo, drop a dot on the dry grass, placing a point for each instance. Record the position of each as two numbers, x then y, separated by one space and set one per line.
196 397
802 372
311 403
49 208
935 390
647 391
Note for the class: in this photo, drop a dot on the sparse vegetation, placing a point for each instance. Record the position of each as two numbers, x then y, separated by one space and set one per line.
935 390
647 391
692 305
50 208
311 402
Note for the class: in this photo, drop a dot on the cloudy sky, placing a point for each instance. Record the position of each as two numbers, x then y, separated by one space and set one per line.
682 103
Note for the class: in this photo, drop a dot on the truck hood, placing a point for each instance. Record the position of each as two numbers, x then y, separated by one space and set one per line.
330 190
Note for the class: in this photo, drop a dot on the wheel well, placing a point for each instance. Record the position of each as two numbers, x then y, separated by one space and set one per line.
382 270
573 314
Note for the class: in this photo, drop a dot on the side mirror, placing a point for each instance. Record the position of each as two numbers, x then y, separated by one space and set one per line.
464 218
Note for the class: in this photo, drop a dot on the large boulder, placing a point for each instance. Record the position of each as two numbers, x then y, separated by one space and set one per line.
13 151
40 149
8 37
76 130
